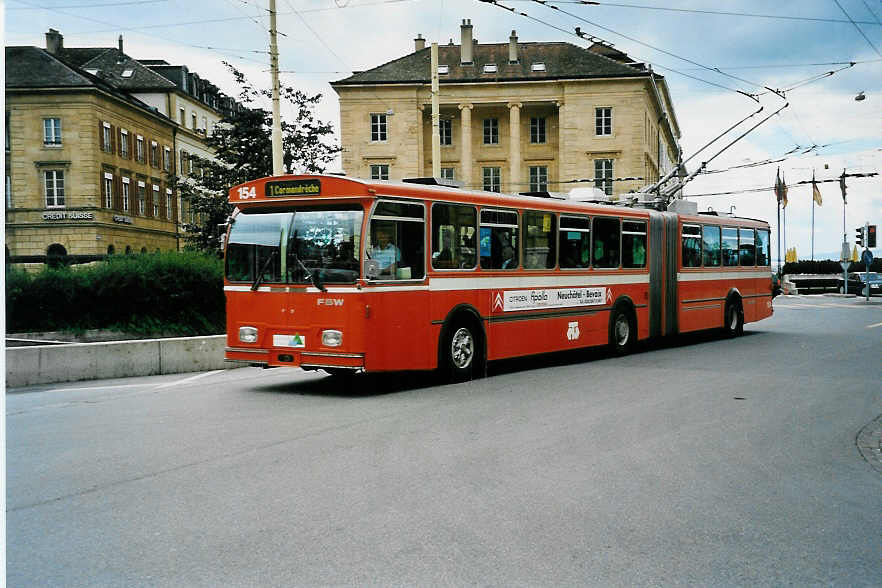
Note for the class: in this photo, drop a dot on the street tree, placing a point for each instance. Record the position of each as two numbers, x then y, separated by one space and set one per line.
242 143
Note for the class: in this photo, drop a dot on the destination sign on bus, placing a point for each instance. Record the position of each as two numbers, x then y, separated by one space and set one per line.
286 188
557 298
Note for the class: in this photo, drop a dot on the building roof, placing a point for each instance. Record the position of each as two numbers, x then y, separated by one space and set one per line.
112 64
33 68
562 61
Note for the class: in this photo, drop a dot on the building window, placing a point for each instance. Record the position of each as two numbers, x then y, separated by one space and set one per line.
537 66
53 181
166 159
155 201
492 179
445 129
603 175
491 131
124 143
537 129
380 171
193 120
107 182
106 139
378 127
154 154
125 194
603 121
168 203
490 68
204 127
51 131
139 149
538 178
448 173
182 114
142 197
8 191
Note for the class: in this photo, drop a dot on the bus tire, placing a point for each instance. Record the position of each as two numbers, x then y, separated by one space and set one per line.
734 317
462 351
622 331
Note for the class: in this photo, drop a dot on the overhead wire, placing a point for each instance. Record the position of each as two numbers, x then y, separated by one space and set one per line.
867 39
577 35
700 11
789 185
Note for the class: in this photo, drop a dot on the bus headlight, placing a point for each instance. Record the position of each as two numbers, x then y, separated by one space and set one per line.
331 338
248 334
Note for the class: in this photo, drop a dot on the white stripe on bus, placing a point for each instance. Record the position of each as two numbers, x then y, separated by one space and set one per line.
733 275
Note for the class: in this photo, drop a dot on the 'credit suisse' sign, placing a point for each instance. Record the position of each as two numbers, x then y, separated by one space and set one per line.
68 215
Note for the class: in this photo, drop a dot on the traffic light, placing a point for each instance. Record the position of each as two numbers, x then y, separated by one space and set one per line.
859 237
871 236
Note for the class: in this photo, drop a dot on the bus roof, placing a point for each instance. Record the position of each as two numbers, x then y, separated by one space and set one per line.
305 188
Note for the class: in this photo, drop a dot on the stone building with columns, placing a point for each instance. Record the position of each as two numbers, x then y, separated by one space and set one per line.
515 117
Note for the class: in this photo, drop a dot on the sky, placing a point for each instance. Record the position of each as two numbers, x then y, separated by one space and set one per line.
786 45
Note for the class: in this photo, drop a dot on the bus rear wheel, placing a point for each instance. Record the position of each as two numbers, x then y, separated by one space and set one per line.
462 355
622 331
734 317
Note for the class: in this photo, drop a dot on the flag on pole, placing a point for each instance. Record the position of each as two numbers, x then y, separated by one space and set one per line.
842 186
816 193
854 254
780 190
783 192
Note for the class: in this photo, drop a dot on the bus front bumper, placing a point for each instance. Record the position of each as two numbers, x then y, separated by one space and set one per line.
287 357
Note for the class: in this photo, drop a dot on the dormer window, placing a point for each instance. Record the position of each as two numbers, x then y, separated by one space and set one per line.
490 68
443 69
94 72
127 73
538 66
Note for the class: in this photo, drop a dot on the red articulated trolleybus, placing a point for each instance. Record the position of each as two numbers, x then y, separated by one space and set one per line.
341 274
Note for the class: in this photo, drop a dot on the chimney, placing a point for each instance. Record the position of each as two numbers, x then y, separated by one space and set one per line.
419 43
513 47
120 44
54 42
466 48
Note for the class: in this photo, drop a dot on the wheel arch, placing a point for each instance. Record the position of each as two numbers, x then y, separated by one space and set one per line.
466 312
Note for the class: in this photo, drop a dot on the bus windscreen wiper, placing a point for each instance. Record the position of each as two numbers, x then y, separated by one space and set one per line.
259 279
311 276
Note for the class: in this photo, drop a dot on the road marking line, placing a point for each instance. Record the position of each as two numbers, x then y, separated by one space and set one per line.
185 380
96 388
874 326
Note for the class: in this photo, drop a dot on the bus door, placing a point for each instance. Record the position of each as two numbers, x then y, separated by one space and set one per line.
664 245
396 299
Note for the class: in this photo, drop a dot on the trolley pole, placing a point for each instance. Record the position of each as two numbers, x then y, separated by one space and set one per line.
278 165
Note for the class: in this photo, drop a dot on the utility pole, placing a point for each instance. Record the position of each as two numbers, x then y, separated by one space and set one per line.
278 165
436 117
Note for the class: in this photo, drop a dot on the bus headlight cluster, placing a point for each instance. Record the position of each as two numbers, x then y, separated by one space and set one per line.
248 334
331 338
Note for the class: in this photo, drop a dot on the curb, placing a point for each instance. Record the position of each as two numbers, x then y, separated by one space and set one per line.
50 364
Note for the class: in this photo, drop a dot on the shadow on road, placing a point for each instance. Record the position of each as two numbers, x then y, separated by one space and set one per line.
378 384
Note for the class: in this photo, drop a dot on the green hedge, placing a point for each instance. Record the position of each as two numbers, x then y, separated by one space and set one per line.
828 267
172 293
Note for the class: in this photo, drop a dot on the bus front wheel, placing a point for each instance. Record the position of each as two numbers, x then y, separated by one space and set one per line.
462 352
734 325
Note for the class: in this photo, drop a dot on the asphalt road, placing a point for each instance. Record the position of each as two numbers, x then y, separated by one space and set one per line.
703 462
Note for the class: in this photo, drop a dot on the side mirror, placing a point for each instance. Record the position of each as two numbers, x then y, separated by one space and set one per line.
371 269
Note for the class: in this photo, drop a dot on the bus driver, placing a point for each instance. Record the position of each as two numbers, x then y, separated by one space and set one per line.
385 253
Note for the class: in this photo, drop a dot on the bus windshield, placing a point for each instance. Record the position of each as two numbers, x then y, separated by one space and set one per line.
288 247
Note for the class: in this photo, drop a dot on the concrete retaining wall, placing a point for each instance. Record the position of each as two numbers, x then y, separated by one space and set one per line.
47 364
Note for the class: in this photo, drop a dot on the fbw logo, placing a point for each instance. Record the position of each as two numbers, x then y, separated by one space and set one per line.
573 330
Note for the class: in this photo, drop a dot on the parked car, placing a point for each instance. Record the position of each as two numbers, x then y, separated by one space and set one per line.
857 283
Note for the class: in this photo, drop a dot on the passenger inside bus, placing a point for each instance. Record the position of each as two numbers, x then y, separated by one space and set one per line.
385 253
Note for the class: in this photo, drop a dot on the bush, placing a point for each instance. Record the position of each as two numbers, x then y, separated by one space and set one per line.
175 293
828 267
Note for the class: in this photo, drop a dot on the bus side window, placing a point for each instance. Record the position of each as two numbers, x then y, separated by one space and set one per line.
454 229
633 244
730 246
539 243
691 246
574 242
763 252
499 239
606 242
711 246
397 237
746 247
